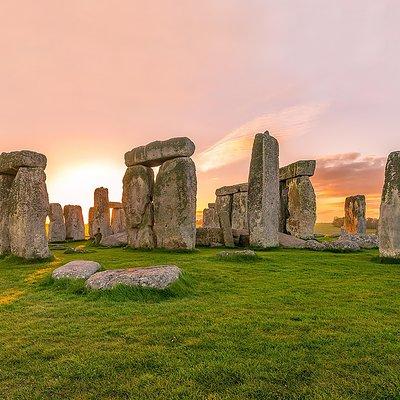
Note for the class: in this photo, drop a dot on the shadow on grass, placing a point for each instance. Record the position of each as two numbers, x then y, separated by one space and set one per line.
385 260
179 289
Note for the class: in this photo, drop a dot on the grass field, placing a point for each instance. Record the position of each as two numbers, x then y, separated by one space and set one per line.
292 325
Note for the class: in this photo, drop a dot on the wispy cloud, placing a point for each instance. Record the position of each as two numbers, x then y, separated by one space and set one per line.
283 124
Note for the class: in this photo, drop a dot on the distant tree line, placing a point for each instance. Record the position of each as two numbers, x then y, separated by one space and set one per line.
372 223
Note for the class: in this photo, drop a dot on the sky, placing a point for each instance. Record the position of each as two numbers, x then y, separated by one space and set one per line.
84 81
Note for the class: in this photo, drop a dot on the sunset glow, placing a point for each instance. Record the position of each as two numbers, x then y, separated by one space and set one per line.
88 81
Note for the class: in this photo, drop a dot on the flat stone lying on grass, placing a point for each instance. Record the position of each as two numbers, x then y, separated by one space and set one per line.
250 254
291 242
158 277
342 245
116 240
364 241
78 269
314 245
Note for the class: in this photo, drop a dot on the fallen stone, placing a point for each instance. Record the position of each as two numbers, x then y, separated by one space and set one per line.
227 190
78 269
74 224
116 240
354 220
263 195
297 169
174 200
156 153
11 162
57 231
389 220
363 241
29 204
315 245
291 242
237 254
209 237
137 195
342 245
159 277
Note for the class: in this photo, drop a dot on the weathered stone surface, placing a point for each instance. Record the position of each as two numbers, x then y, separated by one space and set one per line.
137 194
210 218
354 219
57 230
389 220
101 214
209 237
11 162
226 190
118 220
342 245
226 227
297 169
263 197
175 204
240 218
211 205
284 203
314 245
29 204
156 153
78 269
158 277
75 227
116 240
364 241
5 187
115 204
224 204
291 242
301 207
90 222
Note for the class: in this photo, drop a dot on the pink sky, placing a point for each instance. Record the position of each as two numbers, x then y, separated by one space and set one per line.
85 81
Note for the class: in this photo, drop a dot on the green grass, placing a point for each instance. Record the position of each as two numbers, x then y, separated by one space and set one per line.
294 325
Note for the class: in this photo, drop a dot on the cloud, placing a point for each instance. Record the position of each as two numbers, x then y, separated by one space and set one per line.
236 145
340 175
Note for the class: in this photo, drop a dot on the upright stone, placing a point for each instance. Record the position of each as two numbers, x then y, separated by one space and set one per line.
302 208
224 204
90 222
57 230
226 229
5 187
137 195
101 217
239 211
389 221
354 218
118 220
74 224
263 197
29 204
210 218
175 204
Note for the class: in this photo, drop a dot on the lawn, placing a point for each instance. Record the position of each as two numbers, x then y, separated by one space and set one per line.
292 325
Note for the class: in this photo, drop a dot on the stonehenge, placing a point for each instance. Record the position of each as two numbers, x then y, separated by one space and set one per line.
57 230
24 205
354 218
210 217
263 192
74 225
161 212
389 220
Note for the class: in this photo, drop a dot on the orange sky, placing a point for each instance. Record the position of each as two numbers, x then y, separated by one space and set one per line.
85 81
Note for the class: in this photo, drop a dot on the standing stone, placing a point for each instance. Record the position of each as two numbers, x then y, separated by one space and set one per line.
57 230
118 220
210 218
224 204
101 218
354 219
5 187
226 229
239 211
29 204
175 204
301 207
90 222
389 221
75 227
263 197
138 185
